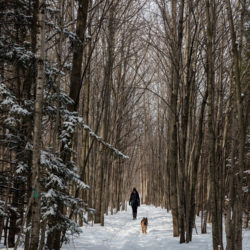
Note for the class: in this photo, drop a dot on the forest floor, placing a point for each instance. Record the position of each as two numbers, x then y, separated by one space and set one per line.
121 232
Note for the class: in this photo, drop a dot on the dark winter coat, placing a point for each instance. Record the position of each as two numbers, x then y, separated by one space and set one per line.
134 200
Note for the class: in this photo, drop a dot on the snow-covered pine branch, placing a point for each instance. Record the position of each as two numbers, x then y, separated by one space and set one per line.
99 139
71 120
58 177
54 164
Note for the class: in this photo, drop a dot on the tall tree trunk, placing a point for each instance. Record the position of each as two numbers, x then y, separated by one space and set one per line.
76 79
194 169
187 95
36 204
238 208
178 219
76 72
107 102
28 122
230 201
215 211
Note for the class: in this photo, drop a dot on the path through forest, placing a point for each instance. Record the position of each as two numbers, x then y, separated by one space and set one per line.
121 232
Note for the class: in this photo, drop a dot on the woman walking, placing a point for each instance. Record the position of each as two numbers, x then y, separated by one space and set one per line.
134 201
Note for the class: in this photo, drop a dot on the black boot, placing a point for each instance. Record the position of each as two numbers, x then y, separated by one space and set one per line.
134 216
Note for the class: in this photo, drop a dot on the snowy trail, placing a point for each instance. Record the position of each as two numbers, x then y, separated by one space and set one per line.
121 232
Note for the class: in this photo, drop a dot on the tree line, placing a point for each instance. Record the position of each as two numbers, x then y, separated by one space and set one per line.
197 161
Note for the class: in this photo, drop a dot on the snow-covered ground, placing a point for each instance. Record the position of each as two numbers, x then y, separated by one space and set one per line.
121 232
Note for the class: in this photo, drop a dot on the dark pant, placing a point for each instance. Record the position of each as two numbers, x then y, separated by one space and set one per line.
134 208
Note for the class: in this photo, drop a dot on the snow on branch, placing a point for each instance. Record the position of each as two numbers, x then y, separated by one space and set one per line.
16 54
99 139
71 120
57 168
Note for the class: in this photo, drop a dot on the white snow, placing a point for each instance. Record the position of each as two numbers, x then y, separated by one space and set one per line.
16 109
121 232
8 101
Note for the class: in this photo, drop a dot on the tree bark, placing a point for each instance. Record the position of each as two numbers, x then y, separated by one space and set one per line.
214 202
238 208
177 211
194 170
105 162
76 73
36 206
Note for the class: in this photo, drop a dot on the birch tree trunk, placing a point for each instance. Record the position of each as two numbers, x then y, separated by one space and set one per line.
36 206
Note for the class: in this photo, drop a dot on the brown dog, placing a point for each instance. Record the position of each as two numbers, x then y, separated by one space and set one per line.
144 225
